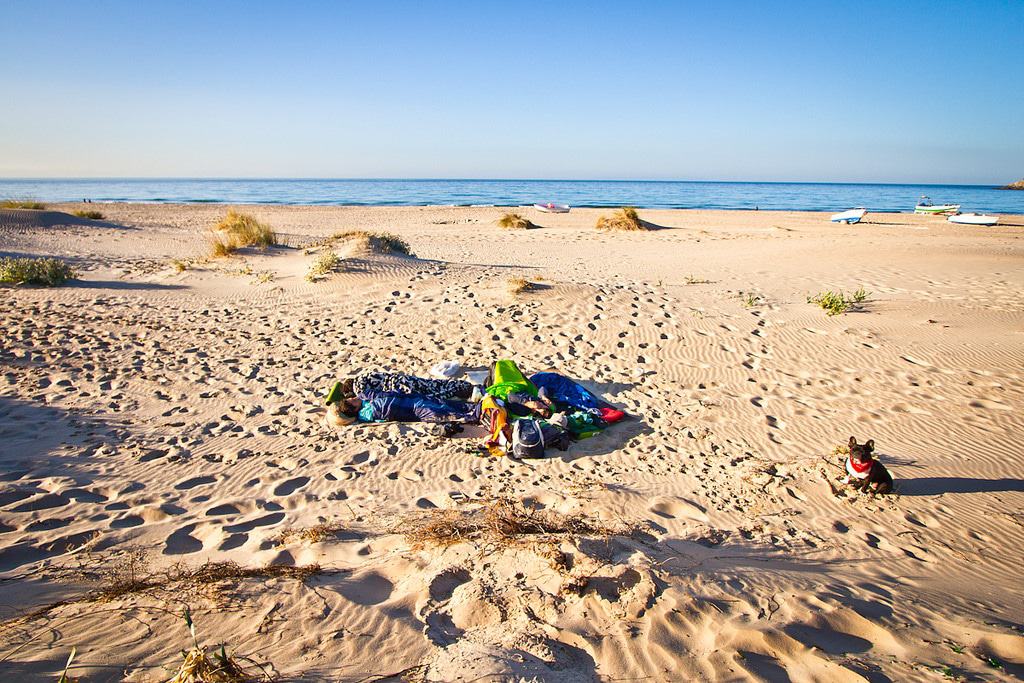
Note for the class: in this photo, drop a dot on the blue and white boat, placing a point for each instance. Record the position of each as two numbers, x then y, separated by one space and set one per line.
849 217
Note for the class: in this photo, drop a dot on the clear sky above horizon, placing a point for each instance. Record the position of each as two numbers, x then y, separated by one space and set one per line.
804 91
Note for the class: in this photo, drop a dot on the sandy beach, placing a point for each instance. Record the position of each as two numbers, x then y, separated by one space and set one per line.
158 418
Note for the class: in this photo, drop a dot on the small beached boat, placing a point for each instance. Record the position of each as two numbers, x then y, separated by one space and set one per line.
972 219
552 208
925 206
848 217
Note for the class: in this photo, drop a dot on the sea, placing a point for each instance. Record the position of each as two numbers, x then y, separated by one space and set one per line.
651 194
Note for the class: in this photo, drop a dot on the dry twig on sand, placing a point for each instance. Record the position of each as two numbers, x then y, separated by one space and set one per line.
502 522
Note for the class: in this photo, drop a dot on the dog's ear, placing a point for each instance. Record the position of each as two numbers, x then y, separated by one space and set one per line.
853 442
870 445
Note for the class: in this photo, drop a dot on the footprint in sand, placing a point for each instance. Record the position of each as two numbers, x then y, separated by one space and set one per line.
291 486
194 482
369 589
988 404
127 522
675 508
245 527
43 502
923 519
181 542
220 510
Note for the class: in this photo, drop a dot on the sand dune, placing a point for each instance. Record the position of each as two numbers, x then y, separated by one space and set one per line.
155 418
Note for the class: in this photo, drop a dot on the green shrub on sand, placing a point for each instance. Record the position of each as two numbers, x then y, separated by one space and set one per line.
513 221
22 204
377 242
47 272
91 215
836 303
326 263
625 218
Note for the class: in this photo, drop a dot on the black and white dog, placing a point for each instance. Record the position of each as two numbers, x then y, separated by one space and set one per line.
865 472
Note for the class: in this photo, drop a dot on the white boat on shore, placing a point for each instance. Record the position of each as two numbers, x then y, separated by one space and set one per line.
552 208
849 217
972 219
925 206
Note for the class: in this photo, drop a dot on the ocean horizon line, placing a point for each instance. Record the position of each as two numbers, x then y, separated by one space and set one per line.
426 179
642 194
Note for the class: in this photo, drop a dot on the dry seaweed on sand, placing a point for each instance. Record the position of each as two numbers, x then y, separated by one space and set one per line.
129 574
513 221
312 534
501 522
625 218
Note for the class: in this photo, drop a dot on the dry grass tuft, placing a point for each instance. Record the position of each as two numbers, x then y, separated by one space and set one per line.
326 263
22 204
625 218
200 667
46 272
91 215
751 300
239 230
179 266
513 221
518 285
377 242
312 534
129 573
501 522
64 678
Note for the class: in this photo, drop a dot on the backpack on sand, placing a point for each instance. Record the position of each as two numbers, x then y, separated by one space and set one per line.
527 439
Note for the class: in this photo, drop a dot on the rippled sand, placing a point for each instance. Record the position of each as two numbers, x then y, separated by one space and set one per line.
152 418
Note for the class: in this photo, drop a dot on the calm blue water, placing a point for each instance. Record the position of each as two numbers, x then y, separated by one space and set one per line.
643 194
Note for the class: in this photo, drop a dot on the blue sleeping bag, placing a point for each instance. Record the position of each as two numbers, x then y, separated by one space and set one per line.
564 392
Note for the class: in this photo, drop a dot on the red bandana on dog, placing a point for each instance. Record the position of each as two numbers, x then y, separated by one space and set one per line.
860 470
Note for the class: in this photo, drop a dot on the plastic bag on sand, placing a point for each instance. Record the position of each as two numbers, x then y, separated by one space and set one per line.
446 369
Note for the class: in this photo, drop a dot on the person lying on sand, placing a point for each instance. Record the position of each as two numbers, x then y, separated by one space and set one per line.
370 385
402 408
518 395
561 393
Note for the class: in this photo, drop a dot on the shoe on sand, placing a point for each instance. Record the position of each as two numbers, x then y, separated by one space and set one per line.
611 415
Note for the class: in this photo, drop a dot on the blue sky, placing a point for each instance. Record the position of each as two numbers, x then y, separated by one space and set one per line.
851 91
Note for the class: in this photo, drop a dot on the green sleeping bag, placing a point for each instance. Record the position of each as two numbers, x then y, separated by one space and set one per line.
507 378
